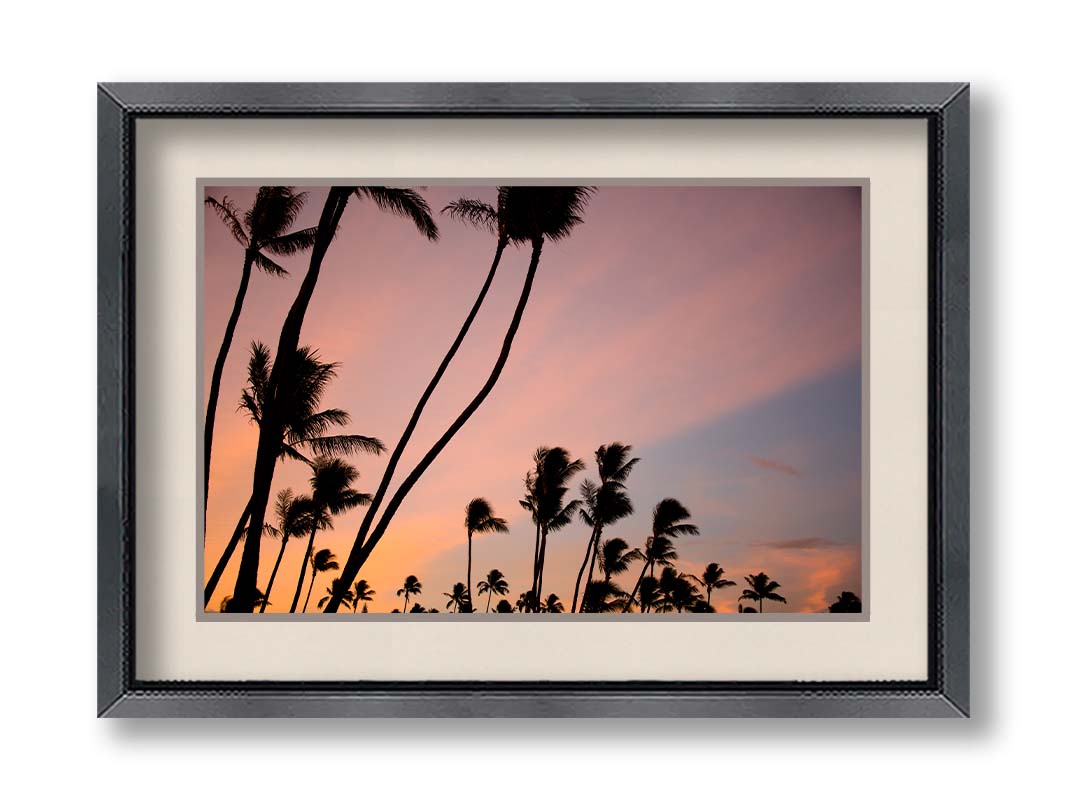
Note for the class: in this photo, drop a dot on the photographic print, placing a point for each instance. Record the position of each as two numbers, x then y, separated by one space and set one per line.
525 400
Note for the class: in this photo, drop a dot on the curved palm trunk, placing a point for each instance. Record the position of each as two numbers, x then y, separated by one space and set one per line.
359 555
640 577
274 574
304 564
405 604
594 535
416 414
592 568
227 554
220 363
311 586
470 591
540 572
489 602
270 427
537 561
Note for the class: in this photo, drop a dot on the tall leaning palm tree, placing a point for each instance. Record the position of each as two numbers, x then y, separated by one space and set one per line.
411 586
264 228
668 522
307 430
605 504
494 583
534 215
761 588
480 519
295 515
323 561
404 202
712 578
546 489
331 494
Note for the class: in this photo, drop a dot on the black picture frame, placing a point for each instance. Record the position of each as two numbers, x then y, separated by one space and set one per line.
945 693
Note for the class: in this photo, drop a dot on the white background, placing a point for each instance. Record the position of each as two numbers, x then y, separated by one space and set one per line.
51 57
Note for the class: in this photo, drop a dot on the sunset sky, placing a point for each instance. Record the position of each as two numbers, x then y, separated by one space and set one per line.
717 330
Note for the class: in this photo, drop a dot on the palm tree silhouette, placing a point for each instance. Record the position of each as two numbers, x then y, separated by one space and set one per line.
404 202
615 557
479 519
712 578
761 588
546 489
264 229
323 561
678 593
305 426
346 597
494 583
224 606
295 516
524 603
411 586
362 593
668 522
649 594
331 494
458 599
846 603
552 605
603 597
533 214
605 504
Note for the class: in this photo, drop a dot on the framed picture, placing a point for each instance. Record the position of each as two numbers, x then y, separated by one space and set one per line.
533 400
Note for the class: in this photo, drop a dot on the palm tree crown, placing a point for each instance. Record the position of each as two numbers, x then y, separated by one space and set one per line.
411 586
332 493
605 504
546 489
362 593
480 519
615 557
459 598
494 583
296 515
761 588
711 578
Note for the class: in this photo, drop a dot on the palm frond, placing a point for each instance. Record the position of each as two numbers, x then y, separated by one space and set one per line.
290 243
269 266
228 212
344 445
402 202
473 212
273 212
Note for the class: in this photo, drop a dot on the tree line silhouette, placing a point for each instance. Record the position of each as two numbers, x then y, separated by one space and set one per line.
282 398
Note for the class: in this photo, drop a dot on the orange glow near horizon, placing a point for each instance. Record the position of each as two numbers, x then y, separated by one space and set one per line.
717 330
